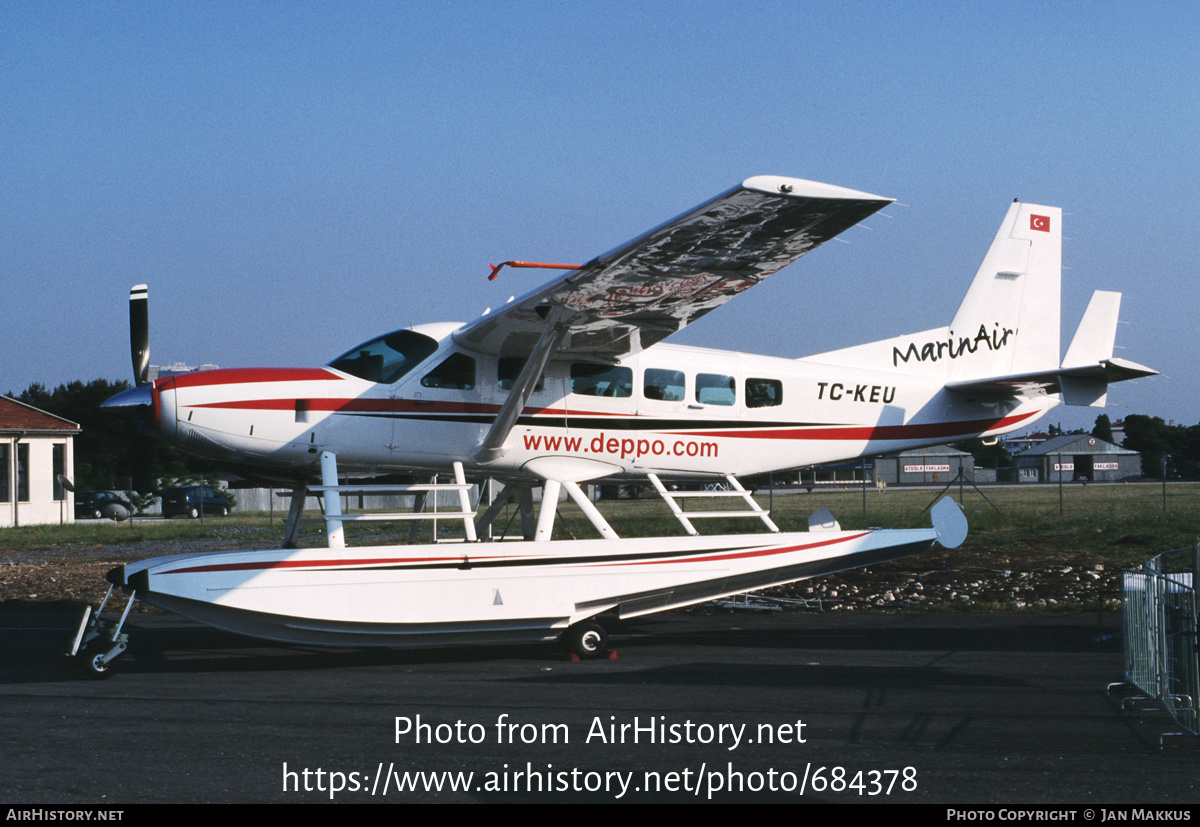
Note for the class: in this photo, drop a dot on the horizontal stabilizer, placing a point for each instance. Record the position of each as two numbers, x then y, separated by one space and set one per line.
1086 372
1083 385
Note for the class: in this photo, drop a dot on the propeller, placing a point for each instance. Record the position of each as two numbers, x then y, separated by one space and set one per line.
139 333
139 348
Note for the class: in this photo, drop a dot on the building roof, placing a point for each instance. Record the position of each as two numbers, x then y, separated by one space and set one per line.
1075 444
1036 436
17 417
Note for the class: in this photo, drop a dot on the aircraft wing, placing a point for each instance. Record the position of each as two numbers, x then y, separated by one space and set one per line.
643 291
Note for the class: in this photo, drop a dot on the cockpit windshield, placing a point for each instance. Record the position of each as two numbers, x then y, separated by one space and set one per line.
387 358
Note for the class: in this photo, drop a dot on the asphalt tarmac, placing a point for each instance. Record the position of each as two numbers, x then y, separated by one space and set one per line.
946 708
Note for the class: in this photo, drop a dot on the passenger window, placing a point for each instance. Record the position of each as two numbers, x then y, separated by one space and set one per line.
456 372
763 393
663 385
714 389
601 380
508 368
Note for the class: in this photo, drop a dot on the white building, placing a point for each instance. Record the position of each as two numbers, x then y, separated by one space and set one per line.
37 451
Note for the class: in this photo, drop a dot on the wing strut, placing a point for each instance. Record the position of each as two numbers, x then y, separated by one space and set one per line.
492 447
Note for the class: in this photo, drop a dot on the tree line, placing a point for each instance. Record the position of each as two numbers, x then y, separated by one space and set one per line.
114 445
1164 445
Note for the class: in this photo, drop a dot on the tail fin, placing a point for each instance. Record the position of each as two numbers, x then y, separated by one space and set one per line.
1009 321
1007 324
1004 340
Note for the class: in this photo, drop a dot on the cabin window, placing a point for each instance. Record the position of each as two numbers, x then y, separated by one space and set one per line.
508 368
601 380
387 358
763 393
715 389
663 385
456 372
4 473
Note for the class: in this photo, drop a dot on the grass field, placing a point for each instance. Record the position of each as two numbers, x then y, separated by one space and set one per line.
1114 525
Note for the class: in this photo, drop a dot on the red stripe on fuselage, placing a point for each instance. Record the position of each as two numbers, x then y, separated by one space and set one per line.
391 406
353 406
248 376
926 430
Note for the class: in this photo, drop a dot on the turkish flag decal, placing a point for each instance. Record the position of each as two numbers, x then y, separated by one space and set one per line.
1039 222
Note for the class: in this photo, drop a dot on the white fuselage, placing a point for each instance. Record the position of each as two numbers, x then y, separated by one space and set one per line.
669 410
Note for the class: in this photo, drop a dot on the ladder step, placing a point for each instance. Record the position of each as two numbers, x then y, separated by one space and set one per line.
334 518
735 490
693 514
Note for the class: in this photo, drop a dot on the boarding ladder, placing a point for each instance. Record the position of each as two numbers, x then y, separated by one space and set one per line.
735 490
331 493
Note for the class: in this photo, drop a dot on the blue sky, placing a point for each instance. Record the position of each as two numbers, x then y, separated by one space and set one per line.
291 178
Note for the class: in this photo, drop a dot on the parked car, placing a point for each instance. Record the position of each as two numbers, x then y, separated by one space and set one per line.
97 504
192 500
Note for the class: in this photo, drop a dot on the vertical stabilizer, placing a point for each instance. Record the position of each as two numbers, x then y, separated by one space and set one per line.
1010 316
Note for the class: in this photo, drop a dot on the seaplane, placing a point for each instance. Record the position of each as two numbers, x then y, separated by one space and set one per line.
572 384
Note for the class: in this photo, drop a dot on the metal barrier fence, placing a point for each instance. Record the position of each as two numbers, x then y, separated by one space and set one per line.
1162 649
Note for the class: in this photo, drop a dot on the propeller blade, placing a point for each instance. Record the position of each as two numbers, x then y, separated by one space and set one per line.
139 333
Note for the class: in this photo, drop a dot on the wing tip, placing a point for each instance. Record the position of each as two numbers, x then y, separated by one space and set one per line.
801 188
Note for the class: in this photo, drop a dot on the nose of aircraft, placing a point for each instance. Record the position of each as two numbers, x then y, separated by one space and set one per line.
164 406
159 398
